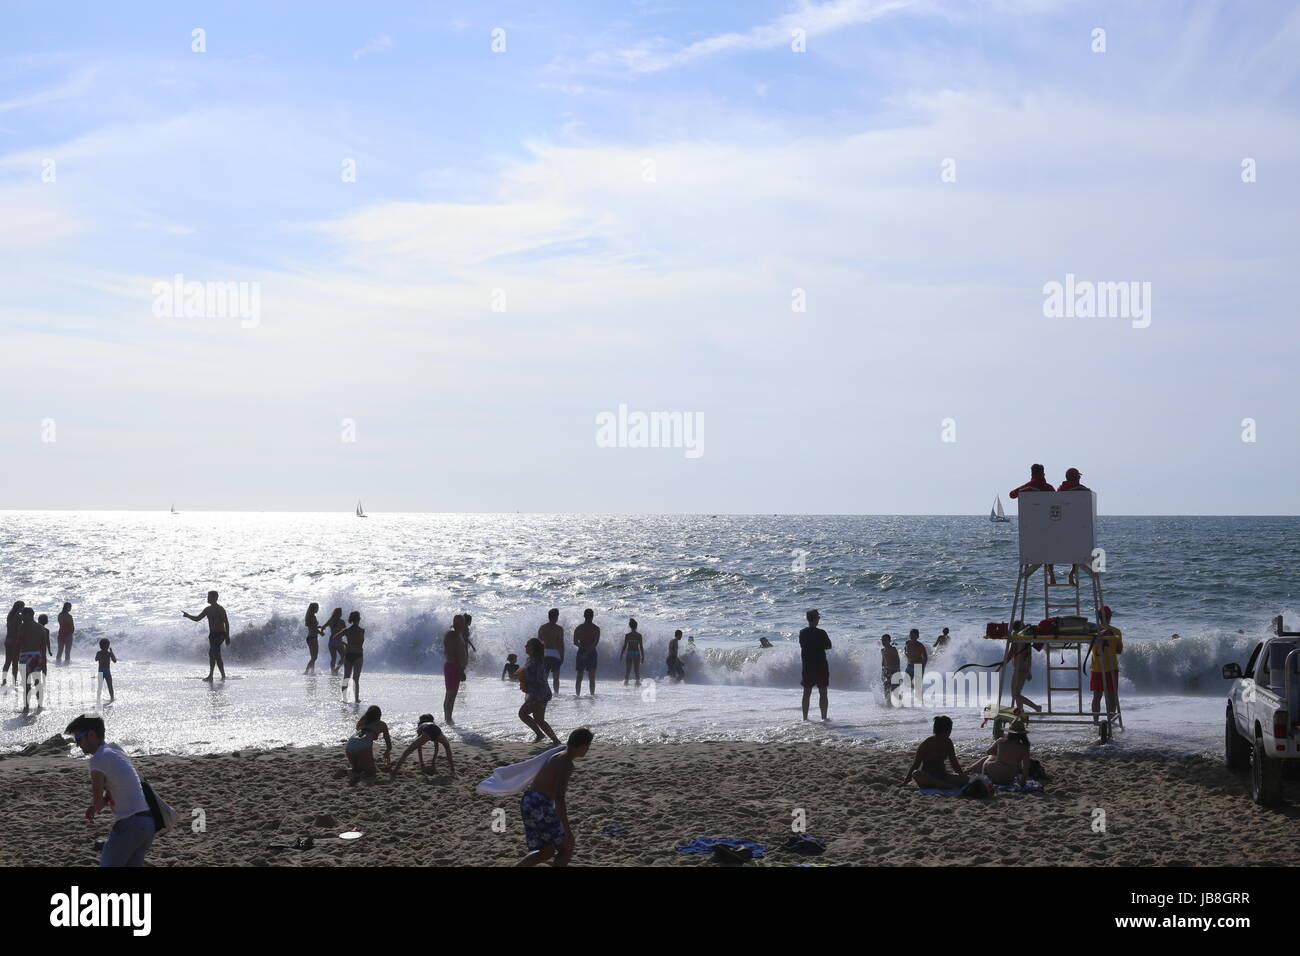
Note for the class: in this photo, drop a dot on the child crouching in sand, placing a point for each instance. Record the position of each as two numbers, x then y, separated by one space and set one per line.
930 758
360 748
546 817
427 732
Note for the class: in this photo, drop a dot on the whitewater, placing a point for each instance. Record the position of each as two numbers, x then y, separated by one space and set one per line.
725 580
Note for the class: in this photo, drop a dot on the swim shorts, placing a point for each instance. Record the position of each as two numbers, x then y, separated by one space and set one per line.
32 660
542 826
1111 681
820 679
451 676
553 664
214 643
586 660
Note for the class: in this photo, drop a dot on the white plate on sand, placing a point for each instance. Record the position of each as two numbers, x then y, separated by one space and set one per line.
350 835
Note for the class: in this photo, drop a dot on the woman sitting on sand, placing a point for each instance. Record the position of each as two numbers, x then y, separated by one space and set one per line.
354 636
427 732
534 684
360 748
1008 757
930 757
335 625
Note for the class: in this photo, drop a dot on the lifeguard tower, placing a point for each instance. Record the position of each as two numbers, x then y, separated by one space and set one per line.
1057 531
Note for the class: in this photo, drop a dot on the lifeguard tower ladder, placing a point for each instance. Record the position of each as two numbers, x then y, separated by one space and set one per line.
1057 531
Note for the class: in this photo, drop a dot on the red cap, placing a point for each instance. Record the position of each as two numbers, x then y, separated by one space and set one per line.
1073 474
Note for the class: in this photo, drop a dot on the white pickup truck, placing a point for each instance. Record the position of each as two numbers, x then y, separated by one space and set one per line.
1262 729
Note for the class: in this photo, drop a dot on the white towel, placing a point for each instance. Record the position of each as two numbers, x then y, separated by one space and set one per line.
515 777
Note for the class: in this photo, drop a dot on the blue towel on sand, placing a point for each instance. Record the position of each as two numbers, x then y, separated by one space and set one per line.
706 845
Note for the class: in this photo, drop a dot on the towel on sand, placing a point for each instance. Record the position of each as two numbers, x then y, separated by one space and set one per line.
516 777
1033 786
706 845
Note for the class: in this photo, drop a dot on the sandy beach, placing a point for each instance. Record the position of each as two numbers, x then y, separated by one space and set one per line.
1160 811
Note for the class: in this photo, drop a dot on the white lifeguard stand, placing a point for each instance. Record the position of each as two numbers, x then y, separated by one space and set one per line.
1057 529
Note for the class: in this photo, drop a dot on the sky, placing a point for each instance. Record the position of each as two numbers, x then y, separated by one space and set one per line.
823 232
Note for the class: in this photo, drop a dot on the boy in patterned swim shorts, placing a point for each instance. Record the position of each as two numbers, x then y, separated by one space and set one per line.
546 820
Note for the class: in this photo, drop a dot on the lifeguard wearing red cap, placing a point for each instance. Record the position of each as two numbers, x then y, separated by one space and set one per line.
1071 482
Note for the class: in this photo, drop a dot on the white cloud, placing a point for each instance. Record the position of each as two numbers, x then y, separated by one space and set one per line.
814 19
377 45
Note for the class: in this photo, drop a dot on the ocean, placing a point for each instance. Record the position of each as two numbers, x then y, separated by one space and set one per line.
725 580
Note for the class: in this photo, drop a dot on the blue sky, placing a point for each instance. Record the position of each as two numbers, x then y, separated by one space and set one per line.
524 171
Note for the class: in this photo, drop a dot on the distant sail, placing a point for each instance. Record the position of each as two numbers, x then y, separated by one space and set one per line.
361 513
996 513
174 511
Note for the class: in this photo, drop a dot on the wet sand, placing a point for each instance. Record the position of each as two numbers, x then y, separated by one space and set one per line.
1159 810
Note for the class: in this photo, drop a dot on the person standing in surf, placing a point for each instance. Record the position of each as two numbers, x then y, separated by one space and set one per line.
889 667
585 638
634 648
335 626
675 669
552 637
13 626
314 631
218 633
354 636
455 656
66 630
813 645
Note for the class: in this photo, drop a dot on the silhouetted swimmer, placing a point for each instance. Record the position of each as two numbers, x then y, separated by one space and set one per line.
455 655
66 630
354 636
335 626
764 642
314 631
537 691
33 646
13 625
676 670
585 638
103 664
813 645
634 648
218 633
552 637
889 666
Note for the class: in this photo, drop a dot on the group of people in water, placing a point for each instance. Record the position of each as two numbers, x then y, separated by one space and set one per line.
28 648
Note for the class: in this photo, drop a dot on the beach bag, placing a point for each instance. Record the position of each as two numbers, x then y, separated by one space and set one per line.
164 817
978 788
1072 626
993 629
1047 626
1036 771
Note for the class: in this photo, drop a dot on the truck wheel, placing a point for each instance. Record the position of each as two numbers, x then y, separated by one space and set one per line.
1265 778
1236 752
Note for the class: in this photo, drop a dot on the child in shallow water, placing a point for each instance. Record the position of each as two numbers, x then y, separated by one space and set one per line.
512 665
103 660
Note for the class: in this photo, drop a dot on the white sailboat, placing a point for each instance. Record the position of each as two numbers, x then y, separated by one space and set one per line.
996 513
174 511
360 512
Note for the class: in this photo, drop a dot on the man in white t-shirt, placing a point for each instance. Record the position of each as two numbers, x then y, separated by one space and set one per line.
113 778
